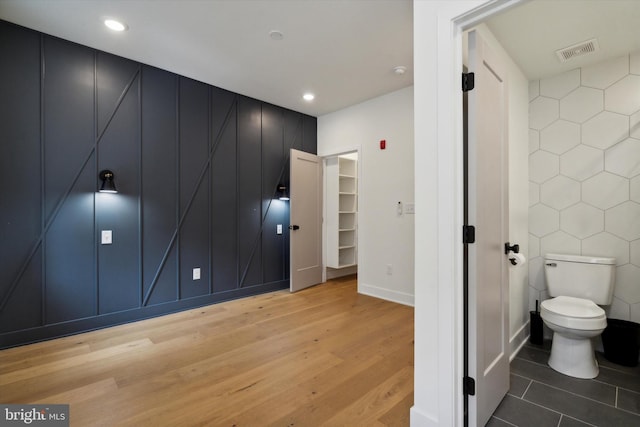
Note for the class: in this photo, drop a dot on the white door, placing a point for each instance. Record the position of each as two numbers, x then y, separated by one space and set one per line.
488 325
305 210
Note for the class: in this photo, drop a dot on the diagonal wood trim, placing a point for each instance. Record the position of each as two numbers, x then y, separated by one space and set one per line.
187 208
245 271
48 222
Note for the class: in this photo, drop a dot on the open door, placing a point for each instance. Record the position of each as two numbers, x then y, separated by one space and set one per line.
487 209
305 210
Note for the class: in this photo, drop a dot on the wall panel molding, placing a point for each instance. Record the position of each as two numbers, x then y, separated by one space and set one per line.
197 169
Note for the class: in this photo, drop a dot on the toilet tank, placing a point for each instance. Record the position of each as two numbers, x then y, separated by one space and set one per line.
579 276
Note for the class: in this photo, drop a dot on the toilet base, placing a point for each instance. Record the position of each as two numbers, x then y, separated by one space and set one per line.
573 357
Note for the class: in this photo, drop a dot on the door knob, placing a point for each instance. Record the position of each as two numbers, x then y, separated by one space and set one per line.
294 227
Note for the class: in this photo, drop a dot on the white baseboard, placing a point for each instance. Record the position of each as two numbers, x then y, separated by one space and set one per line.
518 340
386 294
420 419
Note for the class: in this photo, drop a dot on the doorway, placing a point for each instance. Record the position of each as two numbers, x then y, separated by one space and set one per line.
340 225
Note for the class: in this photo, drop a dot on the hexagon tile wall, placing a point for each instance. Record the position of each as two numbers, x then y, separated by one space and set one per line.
584 173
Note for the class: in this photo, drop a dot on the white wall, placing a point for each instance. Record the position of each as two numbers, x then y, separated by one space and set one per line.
438 222
585 173
386 177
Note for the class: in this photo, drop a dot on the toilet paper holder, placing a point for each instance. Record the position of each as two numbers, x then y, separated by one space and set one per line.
511 248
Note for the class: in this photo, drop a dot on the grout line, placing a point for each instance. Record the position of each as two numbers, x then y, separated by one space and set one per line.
519 375
616 400
615 369
544 407
575 394
534 362
577 419
615 385
527 389
504 421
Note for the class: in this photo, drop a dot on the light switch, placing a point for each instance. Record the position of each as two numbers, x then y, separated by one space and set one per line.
279 229
196 274
107 237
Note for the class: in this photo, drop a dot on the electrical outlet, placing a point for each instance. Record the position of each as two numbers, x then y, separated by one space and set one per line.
196 274
107 237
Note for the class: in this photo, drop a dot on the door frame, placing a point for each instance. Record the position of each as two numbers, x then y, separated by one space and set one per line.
438 31
326 155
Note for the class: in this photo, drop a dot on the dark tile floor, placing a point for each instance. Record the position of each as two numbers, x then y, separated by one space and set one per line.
540 396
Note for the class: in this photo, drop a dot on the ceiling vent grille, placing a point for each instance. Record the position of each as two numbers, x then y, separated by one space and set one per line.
582 48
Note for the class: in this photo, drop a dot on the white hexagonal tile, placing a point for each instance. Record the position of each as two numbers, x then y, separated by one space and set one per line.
559 242
624 158
534 193
560 136
542 112
618 309
605 190
627 286
536 274
605 130
623 96
534 140
543 166
582 220
560 192
534 246
634 125
534 89
634 190
544 295
560 85
534 295
604 74
607 245
581 104
624 220
543 220
581 162
635 313
634 63
634 253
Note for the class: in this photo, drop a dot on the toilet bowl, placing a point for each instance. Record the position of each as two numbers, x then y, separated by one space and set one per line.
574 321
577 284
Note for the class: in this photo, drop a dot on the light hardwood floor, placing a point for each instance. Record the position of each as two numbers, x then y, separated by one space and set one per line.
322 356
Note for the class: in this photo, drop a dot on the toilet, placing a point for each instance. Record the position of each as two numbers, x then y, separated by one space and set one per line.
578 285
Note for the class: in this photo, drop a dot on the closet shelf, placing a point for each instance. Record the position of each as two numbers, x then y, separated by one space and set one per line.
342 208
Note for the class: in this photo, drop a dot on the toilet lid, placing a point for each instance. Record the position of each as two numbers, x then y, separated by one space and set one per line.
573 307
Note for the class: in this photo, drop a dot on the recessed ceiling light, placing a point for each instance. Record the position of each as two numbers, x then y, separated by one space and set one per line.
114 25
276 35
308 96
400 70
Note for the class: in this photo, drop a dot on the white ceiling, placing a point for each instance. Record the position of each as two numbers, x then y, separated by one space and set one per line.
531 33
342 50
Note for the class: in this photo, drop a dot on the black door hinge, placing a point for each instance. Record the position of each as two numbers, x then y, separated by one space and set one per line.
468 82
469 386
468 234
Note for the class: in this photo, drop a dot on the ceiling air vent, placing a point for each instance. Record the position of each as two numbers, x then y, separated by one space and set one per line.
579 49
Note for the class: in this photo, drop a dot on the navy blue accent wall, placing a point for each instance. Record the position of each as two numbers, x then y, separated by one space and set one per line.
197 169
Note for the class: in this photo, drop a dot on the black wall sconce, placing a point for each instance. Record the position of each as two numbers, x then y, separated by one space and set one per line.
283 192
108 185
